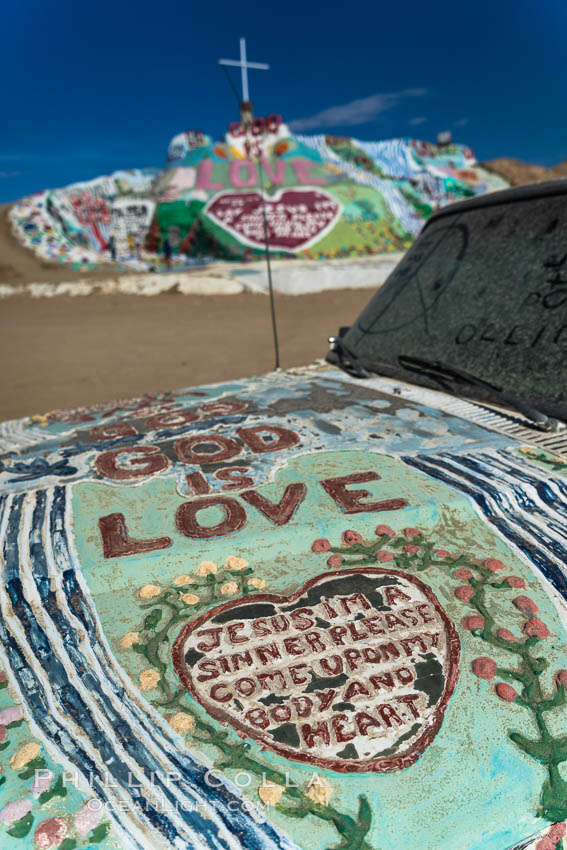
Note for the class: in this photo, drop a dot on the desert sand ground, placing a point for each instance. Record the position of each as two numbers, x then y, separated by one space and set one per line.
62 352
67 351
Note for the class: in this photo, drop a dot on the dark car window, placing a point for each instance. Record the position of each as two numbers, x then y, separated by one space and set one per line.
484 288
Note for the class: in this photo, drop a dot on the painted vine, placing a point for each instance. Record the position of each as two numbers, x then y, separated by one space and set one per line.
411 551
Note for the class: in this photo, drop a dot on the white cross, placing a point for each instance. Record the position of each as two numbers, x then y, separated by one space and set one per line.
244 65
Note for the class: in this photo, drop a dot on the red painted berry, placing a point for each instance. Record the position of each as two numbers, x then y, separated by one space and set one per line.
442 553
412 532
561 678
515 581
464 592
506 692
505 634
411 548
493 564
484 668
384 529
463 574
335 562
536 628
473 621
545 844
383 556
351 537
525 604
557 832
320 545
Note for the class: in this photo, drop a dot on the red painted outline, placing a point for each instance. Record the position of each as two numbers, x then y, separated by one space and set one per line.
377 765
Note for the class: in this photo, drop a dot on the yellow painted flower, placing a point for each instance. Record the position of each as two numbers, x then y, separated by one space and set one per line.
149 679
527 450
129 639
270 793
206 568
182 722
319 790
189 598
258 582
234 563
228 588
148 591
25 754
178 581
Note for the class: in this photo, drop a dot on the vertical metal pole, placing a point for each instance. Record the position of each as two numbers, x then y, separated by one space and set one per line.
244 70
270 285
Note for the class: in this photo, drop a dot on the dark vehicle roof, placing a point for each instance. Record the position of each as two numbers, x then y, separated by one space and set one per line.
483 289
490 199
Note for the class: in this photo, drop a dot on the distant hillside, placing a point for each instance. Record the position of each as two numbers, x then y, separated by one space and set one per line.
518 173
316 197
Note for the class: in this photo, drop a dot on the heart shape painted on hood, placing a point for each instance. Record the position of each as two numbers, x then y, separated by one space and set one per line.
352 672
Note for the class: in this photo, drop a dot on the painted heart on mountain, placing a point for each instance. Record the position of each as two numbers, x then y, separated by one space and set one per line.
295 218
352 672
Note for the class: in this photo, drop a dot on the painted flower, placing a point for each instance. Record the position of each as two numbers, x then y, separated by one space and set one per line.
88 817
412 532
442 553
42 781
515 581
484 668
384 556
129 639
561 678
270 793
25 754
207 568
463 574
335 562
15 811
319 790
525 604
260 583
411 549
51 833
11 715
148 591
464 592
189 598
229 588
179 581
493 564
505 634
384 529
351 537
182 722
320 545
506 692
536 628
527 450
234 563
557 832
149 679
473 621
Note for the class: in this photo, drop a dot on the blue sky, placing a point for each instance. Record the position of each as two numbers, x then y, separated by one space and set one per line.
89 88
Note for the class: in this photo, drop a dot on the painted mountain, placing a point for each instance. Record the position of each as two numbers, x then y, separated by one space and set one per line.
316 197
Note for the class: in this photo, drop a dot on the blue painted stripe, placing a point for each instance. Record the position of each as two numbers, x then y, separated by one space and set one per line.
124 724
504 512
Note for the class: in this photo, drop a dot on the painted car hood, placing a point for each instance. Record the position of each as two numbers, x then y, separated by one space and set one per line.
296 611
